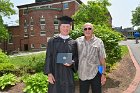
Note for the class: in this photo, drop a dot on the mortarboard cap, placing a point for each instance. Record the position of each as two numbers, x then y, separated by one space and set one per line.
65 20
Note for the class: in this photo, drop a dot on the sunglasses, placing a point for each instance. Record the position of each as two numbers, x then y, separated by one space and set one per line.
87 29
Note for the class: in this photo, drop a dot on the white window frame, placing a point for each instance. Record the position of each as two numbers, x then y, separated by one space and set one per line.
66 5
32 31
42 19
42 27
32 21
26 35
42 46
32 46
42 34
10 36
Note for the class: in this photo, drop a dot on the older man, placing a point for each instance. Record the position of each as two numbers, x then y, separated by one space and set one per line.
91 55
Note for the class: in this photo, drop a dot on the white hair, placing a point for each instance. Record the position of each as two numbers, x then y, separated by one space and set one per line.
89 24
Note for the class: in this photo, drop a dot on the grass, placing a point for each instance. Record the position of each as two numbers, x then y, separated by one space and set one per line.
124 50
28 64
24 60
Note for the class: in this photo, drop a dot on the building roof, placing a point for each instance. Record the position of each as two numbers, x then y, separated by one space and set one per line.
43 3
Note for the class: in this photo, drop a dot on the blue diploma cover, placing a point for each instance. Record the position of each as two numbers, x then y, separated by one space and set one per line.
64 58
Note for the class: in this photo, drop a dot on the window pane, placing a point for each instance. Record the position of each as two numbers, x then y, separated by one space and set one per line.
25 11
56 22
42 27
25 34
31 28
43 45
32 46
10 40
65 6
25 29
42 33
32 33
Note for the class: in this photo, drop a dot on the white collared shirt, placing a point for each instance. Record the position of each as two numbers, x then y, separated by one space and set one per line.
64 37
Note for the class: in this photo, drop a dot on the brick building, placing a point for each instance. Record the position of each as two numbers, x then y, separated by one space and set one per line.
37 23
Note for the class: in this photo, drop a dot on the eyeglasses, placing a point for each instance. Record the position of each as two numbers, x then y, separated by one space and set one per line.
87 29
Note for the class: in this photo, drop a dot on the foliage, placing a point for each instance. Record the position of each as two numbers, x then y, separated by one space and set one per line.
77 32
136 17
138 29
36 83
3 57
7 79
95 12
29 64
5 65
110 39
124 50
5 10
76 77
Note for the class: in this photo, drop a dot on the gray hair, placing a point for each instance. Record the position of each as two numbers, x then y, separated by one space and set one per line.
89 24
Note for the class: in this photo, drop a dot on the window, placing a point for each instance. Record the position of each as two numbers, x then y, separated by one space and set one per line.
42 33
43 45
25 35
25 11
49 6
56 27
42 21
10 40
65 6
42 27
31 28
25 24
25 29
31 22
32 46
56 22
32 33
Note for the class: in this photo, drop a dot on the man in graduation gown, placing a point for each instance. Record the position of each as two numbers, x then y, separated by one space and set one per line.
61 75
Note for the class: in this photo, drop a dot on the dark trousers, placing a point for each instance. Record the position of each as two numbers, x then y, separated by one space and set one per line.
95 84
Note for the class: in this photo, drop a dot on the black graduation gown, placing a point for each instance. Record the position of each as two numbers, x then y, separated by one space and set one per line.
64 78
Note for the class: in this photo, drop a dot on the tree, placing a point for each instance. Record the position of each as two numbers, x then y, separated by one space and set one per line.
5 10
136 17
95 12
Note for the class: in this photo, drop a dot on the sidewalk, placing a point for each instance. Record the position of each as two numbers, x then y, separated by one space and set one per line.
134 50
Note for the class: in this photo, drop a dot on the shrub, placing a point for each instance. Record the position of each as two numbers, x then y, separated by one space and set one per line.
37 83
5 65
110 39
7 79
3 57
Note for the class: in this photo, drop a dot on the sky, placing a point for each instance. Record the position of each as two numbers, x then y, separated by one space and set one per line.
120 10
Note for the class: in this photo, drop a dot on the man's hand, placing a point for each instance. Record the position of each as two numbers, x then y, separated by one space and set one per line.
103 79
66 64
51 78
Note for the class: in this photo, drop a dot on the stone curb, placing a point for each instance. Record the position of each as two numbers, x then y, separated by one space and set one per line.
133 85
